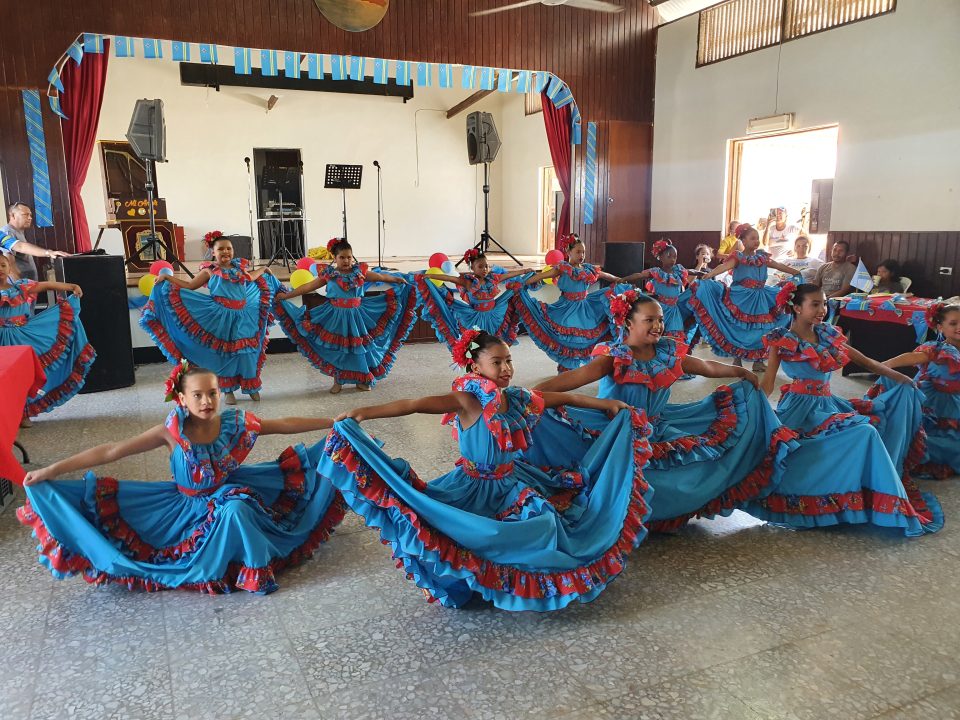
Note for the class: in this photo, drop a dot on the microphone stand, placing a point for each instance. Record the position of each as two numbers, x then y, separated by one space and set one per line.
381 221
250 202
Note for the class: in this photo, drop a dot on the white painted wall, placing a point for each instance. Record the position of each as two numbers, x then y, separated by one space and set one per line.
432 196
892 83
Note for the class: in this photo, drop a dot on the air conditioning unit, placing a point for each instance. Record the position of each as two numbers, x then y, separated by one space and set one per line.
771 124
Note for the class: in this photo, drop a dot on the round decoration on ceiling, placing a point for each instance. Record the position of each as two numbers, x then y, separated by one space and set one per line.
353 15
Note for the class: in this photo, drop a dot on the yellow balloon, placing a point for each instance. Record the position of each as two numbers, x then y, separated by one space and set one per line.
435 271
300 277
146 284
548 281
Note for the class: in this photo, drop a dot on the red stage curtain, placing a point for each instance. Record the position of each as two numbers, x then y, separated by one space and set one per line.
81 100
557 123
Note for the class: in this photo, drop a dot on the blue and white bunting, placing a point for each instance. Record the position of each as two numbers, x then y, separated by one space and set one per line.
403 72
381 71
358 68
123 46
576 129
445 75
424 74
42 204
541 80
93 43
504 80
54 79
336 68
152 49
523 81
468 77
242 61
314 66
291 64
55 106
268 63
208 54
75 52
590 175
180 51
486 78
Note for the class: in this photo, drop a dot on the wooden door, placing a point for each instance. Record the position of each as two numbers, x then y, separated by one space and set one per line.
629 149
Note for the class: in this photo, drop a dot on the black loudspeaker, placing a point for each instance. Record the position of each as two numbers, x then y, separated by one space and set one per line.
147 133
105 317
623 258
483 141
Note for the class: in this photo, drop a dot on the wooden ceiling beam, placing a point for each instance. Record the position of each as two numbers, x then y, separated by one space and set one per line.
464 104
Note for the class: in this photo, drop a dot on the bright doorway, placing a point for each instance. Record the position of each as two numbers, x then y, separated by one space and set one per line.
551 200
786 171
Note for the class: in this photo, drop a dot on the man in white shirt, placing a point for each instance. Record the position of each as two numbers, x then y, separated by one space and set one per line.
14 243
779 235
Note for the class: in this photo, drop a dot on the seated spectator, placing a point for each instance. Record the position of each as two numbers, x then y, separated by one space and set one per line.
888 274
800 259
704 254
778 235
834 277
729 244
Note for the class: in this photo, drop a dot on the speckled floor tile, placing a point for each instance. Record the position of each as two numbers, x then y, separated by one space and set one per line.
727 618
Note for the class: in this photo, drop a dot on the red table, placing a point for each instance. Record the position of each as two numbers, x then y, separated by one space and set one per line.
20 376
882 329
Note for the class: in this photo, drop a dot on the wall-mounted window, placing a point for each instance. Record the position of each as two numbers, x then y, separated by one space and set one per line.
741 26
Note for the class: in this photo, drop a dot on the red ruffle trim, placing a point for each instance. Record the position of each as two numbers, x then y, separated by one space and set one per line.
624 374
22 297
716 434
942 356
237 576
767 318
830 504
716 338
67 388
507 331
65 332
506 578
750 488
788 348
564 351
194 329
938 471
579 274
354 341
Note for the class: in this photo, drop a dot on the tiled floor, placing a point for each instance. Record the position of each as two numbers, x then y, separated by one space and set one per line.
726 619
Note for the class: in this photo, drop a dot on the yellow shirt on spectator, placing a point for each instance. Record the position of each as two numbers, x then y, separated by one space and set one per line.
726 245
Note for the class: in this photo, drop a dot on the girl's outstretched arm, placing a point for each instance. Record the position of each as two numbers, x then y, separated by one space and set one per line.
607 277
556 399
430 405
58 286
309 287
637 276
565 382
513 273
720 269
770 376
714 369
782 268
456 280
907 360
873 366
155 437
542 275
199 280
385 278
294 425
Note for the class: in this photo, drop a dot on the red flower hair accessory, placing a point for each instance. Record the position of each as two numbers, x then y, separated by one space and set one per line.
211 237
661 246
742 229
464 349
173 382
785 297
620 306
470 255
568 241
932 314
331 244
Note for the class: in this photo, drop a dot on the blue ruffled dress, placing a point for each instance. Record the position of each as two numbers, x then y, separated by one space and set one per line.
734 320
352 338
224 332
497 526
670 290
855 457
567 329
482 305
218 525
709 457
56 335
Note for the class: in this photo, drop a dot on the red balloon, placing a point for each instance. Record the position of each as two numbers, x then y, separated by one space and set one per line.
305 263
158 265
553 257
438 259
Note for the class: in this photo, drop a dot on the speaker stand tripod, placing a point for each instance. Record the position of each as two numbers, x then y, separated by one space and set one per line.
483 244
155 242
282 252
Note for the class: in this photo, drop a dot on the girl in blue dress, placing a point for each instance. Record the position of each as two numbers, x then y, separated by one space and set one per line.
939 381
494 526
352 338
217 525
709 457
567 329
225 331
56 335
855 457
482 303
735 319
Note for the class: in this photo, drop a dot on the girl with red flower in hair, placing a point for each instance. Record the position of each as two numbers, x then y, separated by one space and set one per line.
709 457
56 335
734 320
939 381
496 526
225 330
855 457
482 303
352 338
567 329
218 524
667 284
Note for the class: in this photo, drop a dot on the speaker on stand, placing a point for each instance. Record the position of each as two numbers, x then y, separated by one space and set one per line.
105 317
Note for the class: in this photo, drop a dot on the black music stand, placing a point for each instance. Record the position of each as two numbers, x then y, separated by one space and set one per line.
343 178
279 178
